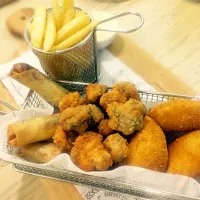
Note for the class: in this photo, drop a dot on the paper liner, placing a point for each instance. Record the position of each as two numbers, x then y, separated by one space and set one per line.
140 176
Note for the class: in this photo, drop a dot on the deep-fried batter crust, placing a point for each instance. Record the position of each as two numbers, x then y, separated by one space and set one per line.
184 155
72 118
96 115
177 115
72 99
112 96
103 127
120 93
148 149
117 147
134 104
125 117
128 89
95 91
89 153
63 139
88 133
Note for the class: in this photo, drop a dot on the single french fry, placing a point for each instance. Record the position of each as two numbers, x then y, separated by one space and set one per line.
50 33
38 27
76 38
69 16
72 27
57 13
66 5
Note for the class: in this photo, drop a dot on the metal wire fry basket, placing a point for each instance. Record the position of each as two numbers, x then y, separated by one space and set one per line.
78 63
149 99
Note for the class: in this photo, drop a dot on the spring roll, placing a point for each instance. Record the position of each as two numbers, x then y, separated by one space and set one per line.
7 97
33 130
38 82
40 152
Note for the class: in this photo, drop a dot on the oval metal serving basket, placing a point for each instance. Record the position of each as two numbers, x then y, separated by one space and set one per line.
130 189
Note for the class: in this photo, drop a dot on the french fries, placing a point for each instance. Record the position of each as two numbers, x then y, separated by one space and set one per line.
72 27
61 28
57 13
38 27
69 16
75 38
66 5
49 39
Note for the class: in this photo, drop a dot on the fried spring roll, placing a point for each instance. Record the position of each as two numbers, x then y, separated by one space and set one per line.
38 82
7 97
33 130
40 152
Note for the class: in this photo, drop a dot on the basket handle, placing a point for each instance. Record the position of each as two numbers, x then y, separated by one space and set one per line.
121 30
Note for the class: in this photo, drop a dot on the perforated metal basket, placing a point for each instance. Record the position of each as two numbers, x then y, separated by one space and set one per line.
80 62
133 190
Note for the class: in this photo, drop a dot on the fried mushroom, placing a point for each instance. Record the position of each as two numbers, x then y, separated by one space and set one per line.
117 147
125 117
95 91
72 99
89 153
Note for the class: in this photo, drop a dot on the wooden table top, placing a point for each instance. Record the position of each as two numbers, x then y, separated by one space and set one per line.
165 53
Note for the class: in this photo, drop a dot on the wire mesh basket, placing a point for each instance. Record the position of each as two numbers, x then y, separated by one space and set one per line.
78 63
149 99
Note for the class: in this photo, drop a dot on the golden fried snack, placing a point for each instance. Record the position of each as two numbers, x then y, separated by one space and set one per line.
40 152
103 127
117 147
112 96
184 155
83 127
148 149
128 89
88 133
72 118
64 139
121 93
72 99
33 130
95 91
177 115
78 118
96 115
134 104
38 82
89 153
124 117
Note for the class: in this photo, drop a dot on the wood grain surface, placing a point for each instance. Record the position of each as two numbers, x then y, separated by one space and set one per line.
18 186
170 34
165 53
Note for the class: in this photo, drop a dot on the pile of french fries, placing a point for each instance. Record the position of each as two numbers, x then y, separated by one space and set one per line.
60 29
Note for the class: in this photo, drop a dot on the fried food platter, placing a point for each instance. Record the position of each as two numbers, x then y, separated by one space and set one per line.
147 99
113 138
98 182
